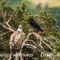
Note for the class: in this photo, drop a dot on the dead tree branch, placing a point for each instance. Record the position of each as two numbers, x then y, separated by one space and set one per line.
4 33
47 45
34 47
6 24
37 37
48 41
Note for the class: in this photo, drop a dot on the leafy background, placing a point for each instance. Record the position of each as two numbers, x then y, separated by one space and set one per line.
47 17
55 9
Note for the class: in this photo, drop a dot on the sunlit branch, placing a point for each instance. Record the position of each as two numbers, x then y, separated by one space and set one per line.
6 27
4 33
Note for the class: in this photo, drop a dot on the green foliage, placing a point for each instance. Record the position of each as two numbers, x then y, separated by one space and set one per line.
44 18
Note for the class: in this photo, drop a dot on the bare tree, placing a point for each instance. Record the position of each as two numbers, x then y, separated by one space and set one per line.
6 23
33 46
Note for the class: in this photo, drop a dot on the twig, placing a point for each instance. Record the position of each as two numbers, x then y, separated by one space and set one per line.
4 33
48 41
32 42
6 27
47 45
30 46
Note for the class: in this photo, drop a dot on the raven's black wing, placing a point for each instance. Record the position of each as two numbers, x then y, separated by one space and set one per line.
34 24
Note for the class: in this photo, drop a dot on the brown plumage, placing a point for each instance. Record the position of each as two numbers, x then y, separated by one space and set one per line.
17 39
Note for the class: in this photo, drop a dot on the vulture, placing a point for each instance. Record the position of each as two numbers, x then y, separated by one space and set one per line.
16 40
34 24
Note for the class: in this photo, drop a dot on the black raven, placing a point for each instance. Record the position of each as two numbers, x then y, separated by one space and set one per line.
34 24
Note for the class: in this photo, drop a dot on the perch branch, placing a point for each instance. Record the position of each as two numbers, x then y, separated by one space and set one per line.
30 46
32 42
6 24
47 45
48 41
6 27
4 33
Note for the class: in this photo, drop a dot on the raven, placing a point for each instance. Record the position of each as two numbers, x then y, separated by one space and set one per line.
34 24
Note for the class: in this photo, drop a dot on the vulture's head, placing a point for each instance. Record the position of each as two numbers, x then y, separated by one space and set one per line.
20 29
